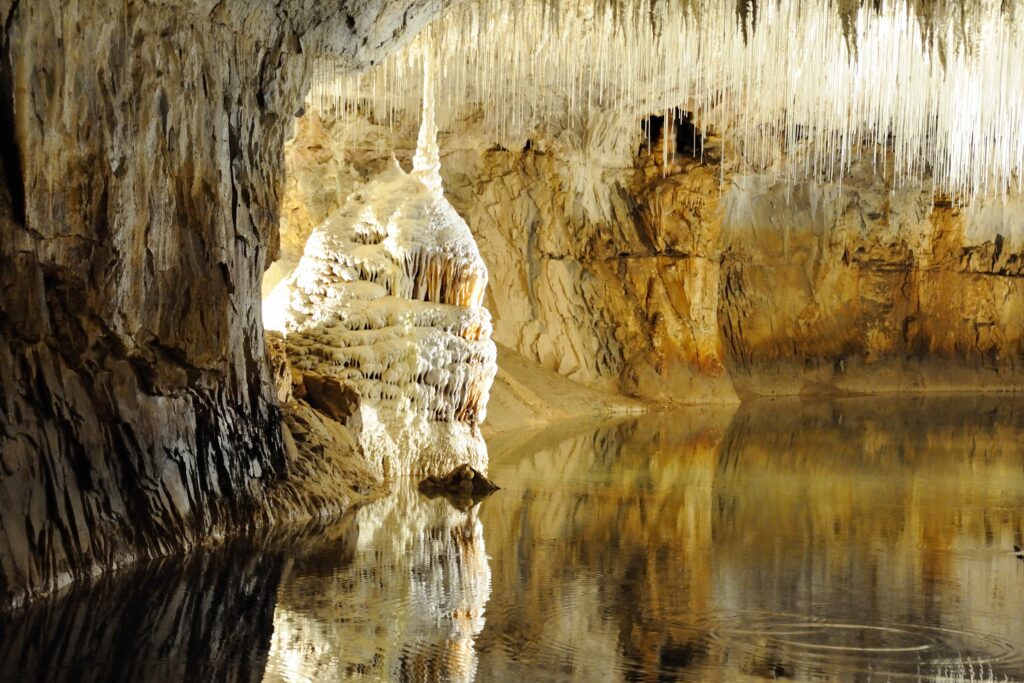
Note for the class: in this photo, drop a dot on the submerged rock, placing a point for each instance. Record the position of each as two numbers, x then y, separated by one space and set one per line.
464 487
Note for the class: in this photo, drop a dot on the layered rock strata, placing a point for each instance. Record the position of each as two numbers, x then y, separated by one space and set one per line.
142 166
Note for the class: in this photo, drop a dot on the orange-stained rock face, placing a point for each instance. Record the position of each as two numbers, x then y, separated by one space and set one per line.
685 282
871 293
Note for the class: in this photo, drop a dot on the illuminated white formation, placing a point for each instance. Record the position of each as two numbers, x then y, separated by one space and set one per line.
420 581
820 86
388 298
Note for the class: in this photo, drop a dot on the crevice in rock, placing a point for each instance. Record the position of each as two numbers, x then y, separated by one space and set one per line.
10 152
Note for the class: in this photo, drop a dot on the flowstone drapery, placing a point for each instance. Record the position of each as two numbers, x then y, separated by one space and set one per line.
387 298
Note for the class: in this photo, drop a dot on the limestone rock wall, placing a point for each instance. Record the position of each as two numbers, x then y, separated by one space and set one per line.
142 168
864 290
685 282
615 289
675 287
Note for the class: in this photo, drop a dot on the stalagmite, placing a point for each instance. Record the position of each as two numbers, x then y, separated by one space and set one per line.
388 299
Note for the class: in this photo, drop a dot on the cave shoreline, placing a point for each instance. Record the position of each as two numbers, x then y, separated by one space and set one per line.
294 510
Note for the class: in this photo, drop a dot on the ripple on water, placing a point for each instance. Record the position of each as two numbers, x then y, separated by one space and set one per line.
798 643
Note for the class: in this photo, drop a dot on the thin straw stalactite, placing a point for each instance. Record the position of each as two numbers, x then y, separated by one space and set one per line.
800 88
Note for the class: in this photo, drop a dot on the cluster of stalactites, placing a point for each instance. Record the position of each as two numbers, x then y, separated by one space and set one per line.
926 91
388 296
408 331
429 275
429 360
432 275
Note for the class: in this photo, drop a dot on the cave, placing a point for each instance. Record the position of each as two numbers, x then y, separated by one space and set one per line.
709 316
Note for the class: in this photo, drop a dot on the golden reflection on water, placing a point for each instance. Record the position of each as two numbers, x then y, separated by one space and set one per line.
848 540
403 601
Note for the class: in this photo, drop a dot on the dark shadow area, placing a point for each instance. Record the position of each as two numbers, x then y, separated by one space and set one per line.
688 140
10 154
685 139
205 617
652 128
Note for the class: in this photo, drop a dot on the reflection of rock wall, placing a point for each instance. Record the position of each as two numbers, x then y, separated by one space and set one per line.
666 532
414 619
681 545
207 617
920 496
915 443
600 562
659 282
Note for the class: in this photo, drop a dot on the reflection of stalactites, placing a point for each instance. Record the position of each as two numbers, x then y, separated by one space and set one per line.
454 595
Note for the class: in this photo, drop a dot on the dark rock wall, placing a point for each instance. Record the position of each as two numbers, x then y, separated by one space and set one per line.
142 156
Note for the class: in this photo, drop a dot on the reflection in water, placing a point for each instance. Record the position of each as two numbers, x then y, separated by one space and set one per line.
834 540
405 603
848 540
204 617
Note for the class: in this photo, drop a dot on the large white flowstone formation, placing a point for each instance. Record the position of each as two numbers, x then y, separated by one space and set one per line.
387 298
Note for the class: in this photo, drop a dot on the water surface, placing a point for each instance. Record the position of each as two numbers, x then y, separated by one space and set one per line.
848 540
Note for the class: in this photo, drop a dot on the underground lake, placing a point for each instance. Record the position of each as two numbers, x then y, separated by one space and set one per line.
854 539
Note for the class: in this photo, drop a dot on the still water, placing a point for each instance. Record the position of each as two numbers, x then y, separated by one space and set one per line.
860 540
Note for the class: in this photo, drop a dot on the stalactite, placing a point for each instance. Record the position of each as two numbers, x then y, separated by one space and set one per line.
923 92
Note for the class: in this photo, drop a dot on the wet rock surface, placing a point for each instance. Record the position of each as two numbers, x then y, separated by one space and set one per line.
331 397
463 487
